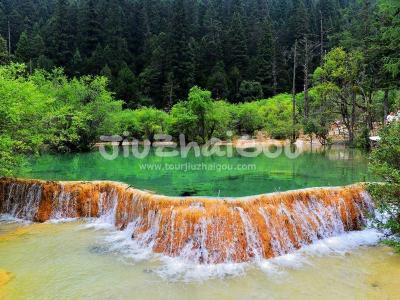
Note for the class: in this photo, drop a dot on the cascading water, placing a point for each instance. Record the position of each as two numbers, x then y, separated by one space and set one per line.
21 200
201 230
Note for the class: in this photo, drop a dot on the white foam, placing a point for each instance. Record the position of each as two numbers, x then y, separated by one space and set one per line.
176 269
98 224
343 243
333 246
61 220
180 269
7 218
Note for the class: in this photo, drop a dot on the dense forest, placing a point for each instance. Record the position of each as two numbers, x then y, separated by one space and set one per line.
154 51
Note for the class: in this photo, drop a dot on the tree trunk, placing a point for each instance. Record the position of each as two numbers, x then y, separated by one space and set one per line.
352 118
294 92
306 63
203 128
274 69
274 75
385 106
9 40
170 95
321 37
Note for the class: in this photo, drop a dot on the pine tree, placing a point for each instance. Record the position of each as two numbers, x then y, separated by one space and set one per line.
16 22
175 44
61 44
24 50
181 52
91 28
211 50
152 77
4 58
3 22
77 62
266 59
38 45
43 62
28 10
107 73
300 22
126 87
328 22
237 45
217 82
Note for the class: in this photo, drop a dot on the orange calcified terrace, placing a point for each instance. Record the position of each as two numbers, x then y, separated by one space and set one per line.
199 229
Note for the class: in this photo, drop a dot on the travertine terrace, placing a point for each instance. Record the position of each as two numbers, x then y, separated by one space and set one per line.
198 229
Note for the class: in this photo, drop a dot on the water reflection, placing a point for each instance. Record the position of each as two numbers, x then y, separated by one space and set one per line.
314 166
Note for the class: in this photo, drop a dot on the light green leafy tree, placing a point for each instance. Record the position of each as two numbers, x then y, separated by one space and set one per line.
338 81
150 121
277 114
23 109
248 118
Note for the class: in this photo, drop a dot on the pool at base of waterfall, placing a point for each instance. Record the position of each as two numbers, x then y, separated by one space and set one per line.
87 259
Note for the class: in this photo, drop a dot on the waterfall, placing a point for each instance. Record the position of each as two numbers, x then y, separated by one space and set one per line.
197 229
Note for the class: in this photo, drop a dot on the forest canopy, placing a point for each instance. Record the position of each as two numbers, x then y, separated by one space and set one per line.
154 51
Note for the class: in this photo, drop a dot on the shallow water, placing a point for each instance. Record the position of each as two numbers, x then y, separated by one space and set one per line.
77 260
242 176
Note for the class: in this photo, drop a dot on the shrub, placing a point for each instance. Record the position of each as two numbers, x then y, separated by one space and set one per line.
277 114
385 162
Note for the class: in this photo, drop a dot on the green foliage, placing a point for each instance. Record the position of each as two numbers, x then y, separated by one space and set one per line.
4 57
250 90
125 123
385 162
10 160
339 67
170 45
198 117
237 43
142 123
248 118
319 127
321 113
182 121
22 117
394 244
277 114
362 140
48 110
390 34
126 87
24 50
265 58
150 121
338 85
218 82
81 112
200 104
219 121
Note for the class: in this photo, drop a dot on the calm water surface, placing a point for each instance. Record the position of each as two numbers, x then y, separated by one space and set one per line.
241 177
